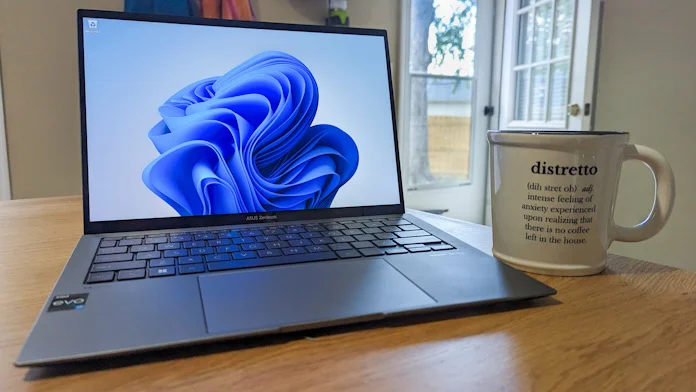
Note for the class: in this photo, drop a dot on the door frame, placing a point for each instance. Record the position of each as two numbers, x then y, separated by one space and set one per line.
5 190
482 73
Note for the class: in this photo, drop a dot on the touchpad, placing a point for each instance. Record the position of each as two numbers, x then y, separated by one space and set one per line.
270 298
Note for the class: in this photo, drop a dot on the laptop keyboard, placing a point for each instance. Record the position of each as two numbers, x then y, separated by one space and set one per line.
161 255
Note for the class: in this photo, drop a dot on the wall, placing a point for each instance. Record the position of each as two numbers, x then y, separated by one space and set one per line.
647 86
38 60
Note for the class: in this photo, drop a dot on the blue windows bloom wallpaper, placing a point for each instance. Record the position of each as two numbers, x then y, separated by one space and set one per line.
186 120
245 142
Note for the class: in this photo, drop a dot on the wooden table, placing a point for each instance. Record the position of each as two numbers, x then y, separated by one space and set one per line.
631 328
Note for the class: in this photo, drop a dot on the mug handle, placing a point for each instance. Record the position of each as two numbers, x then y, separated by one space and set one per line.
664 195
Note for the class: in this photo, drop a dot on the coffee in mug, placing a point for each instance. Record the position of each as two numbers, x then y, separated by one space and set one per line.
553 196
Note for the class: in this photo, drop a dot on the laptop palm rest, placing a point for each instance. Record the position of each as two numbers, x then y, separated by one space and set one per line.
274 298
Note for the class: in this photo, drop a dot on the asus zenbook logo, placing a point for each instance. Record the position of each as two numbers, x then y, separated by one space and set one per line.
68 302
261 217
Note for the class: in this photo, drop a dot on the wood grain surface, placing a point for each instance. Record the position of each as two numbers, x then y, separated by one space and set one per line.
632 328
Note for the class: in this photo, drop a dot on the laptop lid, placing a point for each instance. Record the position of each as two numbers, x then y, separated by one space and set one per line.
191 122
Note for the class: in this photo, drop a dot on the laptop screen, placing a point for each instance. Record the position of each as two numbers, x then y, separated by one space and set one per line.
192 120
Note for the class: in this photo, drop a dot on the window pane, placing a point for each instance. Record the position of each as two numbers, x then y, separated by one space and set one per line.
558 97
525 39
441 70
563 30
521 94
542 32
524 3
538 110
443 154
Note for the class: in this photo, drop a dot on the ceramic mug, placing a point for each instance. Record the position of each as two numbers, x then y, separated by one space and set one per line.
553 195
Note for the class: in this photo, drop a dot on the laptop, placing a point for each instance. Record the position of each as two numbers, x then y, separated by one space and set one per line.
241 179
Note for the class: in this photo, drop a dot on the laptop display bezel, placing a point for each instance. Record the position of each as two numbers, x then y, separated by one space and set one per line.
91 227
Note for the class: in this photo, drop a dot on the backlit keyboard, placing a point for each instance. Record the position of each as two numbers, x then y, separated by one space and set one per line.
170 254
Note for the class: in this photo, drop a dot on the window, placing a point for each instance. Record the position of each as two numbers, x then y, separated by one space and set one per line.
441 66
548 63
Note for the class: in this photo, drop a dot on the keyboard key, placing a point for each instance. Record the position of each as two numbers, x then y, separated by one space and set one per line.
173 245
322 241
314 229
384 243
227 249
219 242
371 251
419 249
274 231
201 251
270 253
254 246
148 255
180 237
156 240
175 253
161 262
142 248
394 251
245 240
194 244
413 246
163 271
309 235
113 258
107 244
373 224
397 222
205 236
341 246
111 251
190 260
352 232
229 234
301 242
348 254
372 230
409 227
117 266
266 238
262 262
295 230
417 240
294 251
217 257
354 225
390 229
287 237
415 233
442 247
191 269
133 241
344 238
135 237
251 233
131 274
221 266
365 237
100 277
277 244
244 255
362 244
317 248
385 236
333 233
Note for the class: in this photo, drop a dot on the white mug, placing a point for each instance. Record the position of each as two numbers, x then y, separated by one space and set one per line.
553 195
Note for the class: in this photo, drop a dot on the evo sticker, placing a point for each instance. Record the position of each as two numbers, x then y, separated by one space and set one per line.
68 302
